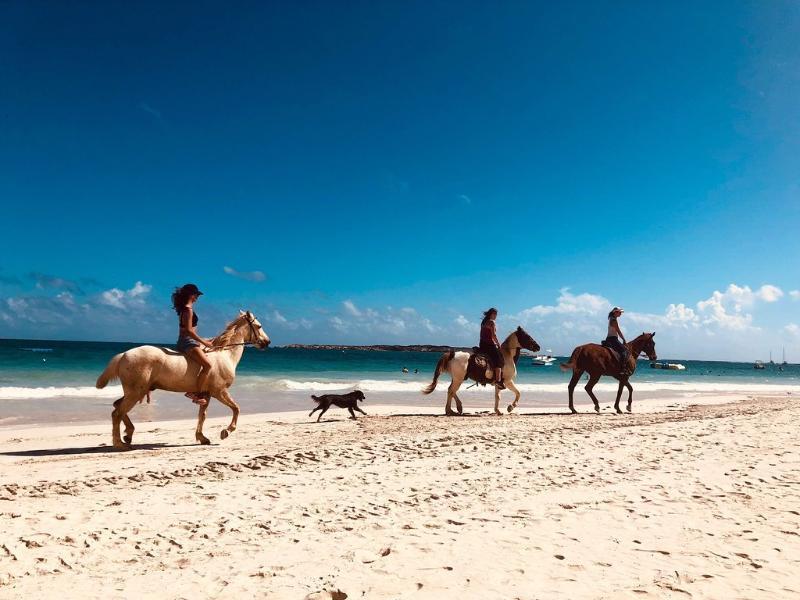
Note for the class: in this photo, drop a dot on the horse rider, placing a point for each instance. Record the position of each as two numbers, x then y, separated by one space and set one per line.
613 340
490 346
189 342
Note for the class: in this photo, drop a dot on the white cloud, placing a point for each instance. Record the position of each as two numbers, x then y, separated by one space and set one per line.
769 293
281 321
568 303
793 329
727 309
351 308
256 276
126 299
465 199
795 294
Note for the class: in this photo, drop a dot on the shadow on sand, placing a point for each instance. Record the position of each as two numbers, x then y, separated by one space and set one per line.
90 450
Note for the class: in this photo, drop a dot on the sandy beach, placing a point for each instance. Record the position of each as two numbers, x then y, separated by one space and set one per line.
682 501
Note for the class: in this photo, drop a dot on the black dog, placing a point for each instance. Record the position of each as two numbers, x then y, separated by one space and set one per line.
348 401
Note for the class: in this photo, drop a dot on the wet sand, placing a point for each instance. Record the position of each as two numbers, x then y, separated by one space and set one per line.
700 501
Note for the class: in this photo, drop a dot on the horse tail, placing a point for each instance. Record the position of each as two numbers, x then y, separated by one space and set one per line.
570 365
111 372
441 367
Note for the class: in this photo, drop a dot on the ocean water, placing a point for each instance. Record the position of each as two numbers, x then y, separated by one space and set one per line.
47 380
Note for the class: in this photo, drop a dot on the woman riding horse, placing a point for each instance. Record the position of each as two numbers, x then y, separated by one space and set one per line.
189 342
613 340
490 346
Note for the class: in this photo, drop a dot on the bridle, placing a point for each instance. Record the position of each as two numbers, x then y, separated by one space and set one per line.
253 335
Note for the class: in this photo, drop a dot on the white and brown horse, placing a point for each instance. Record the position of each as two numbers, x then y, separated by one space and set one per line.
146 368
457 363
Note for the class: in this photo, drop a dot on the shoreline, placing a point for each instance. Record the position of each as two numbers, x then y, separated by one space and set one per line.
169 407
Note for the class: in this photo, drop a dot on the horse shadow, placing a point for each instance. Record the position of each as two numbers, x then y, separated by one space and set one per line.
88 450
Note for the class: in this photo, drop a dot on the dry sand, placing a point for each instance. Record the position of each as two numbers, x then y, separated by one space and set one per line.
701 502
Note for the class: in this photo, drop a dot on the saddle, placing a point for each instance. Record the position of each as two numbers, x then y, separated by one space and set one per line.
614 351
616 354
480 368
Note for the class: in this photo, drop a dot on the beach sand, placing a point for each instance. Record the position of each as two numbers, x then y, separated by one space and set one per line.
678 502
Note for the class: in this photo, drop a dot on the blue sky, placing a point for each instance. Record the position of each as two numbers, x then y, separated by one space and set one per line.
392 169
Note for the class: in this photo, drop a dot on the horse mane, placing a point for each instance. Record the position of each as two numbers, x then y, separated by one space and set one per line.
226 337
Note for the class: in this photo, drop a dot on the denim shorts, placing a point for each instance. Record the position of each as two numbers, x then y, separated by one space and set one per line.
185 343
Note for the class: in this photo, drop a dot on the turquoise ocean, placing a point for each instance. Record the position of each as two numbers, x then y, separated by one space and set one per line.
46 381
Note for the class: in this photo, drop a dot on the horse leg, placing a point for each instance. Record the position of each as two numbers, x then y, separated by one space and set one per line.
451 392
224 397
576 375
459 406
120 414
497 401
129 428
201 419
619 395
593 379
630 395
510 385
116 440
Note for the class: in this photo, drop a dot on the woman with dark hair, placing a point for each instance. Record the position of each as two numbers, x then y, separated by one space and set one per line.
490 346
613 337
189 342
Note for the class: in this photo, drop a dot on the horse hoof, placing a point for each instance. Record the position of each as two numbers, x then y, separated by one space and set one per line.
449 413
573 411
224 434
629 409
127 439
510 407
122 446
204 441
619 412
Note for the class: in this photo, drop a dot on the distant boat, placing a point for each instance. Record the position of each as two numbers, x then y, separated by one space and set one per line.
759 364
784 356
668 366
772 362
543 360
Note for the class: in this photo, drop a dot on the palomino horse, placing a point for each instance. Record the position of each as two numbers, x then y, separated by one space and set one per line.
599 360
148 368
456 363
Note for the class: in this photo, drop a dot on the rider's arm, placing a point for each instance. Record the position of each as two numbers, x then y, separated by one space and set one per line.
189 329
494 334
619 331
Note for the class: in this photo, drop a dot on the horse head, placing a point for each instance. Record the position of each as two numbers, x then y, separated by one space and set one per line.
526 341
255 333
649 347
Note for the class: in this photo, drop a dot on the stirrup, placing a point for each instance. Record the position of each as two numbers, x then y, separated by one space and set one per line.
500 385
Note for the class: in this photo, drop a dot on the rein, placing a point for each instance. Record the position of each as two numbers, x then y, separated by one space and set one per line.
252 332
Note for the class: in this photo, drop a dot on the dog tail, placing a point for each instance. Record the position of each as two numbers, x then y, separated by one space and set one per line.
110 373
570 365
441 367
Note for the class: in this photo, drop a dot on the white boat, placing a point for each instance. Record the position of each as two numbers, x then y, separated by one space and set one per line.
668 366
759 364
543 360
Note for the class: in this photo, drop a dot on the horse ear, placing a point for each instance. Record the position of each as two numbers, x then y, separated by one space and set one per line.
652 335
519 327
241 313
249 315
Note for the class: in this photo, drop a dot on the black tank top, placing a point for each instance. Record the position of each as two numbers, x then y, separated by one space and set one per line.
194 318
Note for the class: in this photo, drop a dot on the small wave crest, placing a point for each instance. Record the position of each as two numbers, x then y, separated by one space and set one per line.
24 393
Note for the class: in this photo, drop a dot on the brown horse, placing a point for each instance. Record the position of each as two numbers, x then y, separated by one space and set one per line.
599 360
